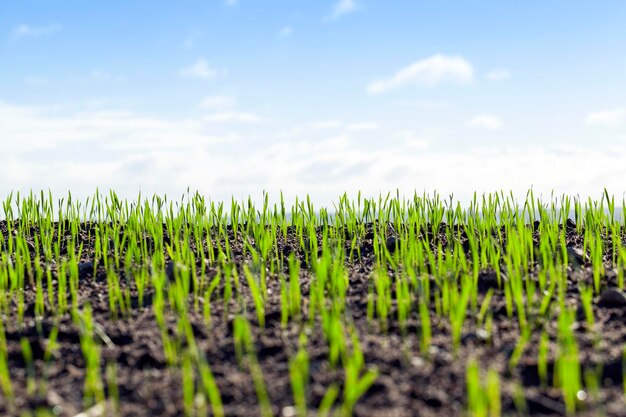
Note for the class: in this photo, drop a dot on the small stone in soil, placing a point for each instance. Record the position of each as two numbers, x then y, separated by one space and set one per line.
417 361
289 411
477 337
482 334
612 297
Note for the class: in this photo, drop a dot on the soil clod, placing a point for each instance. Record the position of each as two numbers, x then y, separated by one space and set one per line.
488 280
612 297
575 257
392 244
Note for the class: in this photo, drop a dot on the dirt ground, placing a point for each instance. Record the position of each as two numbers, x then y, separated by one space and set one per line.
409 383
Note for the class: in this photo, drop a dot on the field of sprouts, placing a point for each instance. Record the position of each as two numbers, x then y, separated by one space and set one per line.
393 306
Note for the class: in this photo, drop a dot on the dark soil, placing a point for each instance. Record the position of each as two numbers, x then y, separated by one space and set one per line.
409 384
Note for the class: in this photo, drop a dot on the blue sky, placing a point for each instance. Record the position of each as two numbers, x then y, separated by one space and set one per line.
319 97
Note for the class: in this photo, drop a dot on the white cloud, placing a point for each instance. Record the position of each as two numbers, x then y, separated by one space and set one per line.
611 118
341 8
73 150
486 121
423 104
127 151
218 102
337 124
427 72
414 141
201 70
498 74
24 124
232 117
24 30
285 31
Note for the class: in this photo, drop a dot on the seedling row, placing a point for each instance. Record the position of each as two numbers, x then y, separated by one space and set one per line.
393 305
